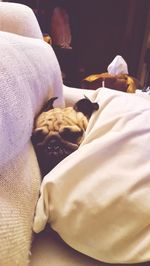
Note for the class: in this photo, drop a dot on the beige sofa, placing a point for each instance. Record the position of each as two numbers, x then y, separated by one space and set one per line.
29 74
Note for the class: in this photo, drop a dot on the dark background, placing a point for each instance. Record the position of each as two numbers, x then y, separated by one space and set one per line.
101 29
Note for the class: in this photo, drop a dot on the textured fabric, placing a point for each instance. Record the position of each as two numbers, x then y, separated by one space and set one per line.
19 19
19 187
29 75
97 199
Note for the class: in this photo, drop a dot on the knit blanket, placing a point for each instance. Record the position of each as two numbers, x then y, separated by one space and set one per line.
29 75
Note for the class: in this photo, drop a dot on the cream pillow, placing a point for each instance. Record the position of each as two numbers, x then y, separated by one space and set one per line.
98 198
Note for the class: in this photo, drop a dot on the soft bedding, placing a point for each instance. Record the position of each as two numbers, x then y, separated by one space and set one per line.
98 198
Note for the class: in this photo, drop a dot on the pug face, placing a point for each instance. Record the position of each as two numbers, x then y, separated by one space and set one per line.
59 131
57 134
55 146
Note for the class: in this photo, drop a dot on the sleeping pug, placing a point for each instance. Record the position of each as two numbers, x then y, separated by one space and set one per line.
59 131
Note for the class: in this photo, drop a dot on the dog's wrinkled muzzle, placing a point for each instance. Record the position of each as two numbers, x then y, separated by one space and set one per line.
52 150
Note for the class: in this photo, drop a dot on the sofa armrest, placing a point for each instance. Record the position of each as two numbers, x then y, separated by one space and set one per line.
19 19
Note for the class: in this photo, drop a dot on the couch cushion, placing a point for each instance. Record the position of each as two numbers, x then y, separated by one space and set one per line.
29 75
19 189
19 19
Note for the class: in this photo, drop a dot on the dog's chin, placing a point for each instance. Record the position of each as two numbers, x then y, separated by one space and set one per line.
48 160
53 152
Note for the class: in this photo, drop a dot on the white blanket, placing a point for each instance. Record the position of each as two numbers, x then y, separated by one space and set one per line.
98 198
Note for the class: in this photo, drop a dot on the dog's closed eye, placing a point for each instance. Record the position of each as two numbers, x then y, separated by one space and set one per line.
38 136
71 134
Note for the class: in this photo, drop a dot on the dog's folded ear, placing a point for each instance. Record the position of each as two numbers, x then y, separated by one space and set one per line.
49 105
86 107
